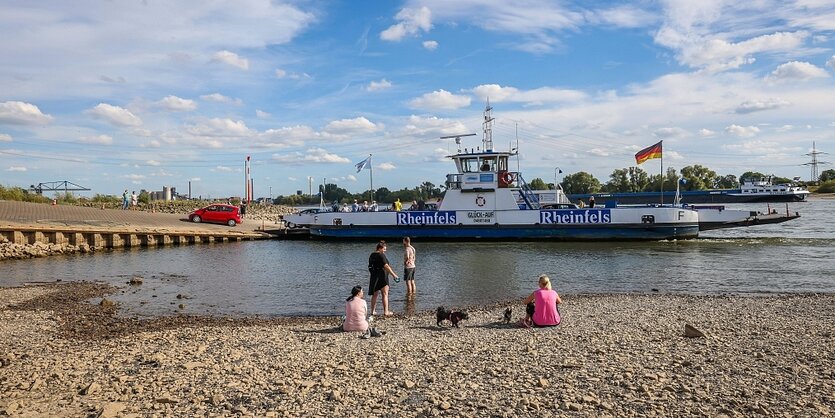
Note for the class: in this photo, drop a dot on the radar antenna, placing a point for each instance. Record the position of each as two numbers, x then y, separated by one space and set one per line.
457 139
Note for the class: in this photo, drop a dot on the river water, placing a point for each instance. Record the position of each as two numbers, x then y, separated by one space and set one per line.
313 278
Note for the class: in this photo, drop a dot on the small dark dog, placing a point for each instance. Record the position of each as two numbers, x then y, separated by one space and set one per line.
508 312
442 314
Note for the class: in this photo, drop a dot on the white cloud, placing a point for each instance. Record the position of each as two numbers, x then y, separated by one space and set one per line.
379 85
430 45
217 97
152 163
751 106
386 166
176 104
359 125
287 136
5 138
114 115
796 70
16 168
260 114
98 139
411 22
433 126
742 131
222 168
220 127
232 59
313 155
667 133
351 177
20 113
498 94
831 62
134 177
440 99
622 16
706 132
599 152
279 73
785 128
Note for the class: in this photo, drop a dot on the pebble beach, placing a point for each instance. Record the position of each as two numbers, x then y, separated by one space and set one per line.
66 351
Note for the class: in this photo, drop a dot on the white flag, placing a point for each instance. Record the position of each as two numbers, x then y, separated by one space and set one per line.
362 164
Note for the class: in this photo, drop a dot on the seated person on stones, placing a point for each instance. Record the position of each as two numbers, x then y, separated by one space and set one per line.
355 311
541 306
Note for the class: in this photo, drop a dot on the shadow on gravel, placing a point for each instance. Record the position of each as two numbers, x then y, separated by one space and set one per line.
331 330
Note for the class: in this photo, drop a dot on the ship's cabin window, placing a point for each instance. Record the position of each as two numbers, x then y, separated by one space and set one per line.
487 164
469 165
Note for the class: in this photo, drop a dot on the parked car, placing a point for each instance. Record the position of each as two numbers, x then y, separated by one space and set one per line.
221 214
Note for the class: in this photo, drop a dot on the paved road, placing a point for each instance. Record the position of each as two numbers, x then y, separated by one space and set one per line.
21 214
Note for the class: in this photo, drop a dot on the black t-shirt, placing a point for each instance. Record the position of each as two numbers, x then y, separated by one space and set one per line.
377 262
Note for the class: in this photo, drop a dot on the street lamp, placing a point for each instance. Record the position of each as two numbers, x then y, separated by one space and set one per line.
556 170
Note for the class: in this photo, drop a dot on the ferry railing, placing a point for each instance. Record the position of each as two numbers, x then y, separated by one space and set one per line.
530 198
453 182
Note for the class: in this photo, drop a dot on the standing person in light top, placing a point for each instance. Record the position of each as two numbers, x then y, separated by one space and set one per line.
378 266
134 199
409 266
355 311
541 305
397 205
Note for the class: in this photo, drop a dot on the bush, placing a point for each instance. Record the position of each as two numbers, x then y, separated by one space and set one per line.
826 187
21 195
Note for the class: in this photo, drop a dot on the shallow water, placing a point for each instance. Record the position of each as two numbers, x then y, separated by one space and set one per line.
313 278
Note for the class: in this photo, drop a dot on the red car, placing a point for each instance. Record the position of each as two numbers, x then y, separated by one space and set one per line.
221 214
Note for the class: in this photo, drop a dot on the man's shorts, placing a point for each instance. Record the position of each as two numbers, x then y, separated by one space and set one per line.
409 273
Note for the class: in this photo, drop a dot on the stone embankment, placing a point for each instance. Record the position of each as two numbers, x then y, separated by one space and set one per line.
613 355
267 213
12 251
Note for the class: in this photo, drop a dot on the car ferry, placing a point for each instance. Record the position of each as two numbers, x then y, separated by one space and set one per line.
486 200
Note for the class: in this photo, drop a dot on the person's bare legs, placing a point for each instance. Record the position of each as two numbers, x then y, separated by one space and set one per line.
386 311
410 287
374 302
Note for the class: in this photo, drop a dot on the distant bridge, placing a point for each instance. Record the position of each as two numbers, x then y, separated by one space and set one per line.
57 186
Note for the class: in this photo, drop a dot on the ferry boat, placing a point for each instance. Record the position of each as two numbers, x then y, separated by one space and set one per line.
750 191
486 200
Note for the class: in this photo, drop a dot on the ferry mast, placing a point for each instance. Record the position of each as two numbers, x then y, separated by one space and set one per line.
488 128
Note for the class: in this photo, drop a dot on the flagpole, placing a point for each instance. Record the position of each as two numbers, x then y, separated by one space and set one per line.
662 172
371 175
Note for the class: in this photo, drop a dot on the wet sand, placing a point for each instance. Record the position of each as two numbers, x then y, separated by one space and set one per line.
63 353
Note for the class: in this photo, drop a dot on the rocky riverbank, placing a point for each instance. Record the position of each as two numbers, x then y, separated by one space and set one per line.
64 353
12 251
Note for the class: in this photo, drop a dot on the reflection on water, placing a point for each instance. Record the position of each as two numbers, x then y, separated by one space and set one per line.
314 278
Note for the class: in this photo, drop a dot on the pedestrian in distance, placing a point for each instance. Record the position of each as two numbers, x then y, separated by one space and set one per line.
379 268
125 200
409 266
134 200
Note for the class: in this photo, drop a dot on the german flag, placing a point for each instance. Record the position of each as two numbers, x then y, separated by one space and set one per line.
648 153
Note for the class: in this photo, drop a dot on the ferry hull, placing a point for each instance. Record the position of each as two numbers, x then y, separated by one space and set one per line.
630 232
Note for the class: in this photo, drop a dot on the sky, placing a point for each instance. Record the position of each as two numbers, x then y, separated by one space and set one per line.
115 95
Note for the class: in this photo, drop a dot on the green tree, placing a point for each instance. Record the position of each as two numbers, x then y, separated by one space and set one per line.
670 179
631 179
580 182
827 175
698 177
727 181
751 176
538 184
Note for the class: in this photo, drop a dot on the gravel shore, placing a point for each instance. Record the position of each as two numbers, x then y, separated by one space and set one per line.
63 352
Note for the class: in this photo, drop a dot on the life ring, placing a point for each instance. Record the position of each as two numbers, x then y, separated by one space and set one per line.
506 178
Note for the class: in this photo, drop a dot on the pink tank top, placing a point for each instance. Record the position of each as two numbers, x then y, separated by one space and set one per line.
545 311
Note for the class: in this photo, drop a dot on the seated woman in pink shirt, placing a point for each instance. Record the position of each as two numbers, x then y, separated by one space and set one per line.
541 305
355 311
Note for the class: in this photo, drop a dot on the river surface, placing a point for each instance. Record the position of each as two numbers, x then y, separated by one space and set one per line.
314 278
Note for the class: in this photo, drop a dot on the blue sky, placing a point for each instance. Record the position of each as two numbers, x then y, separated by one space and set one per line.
146 94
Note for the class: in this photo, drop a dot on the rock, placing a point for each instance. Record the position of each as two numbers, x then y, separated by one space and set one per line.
135 281
408 384
691 332
107 303
334 395
193 365
167 399
91 388
111 410
543 382
217 399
